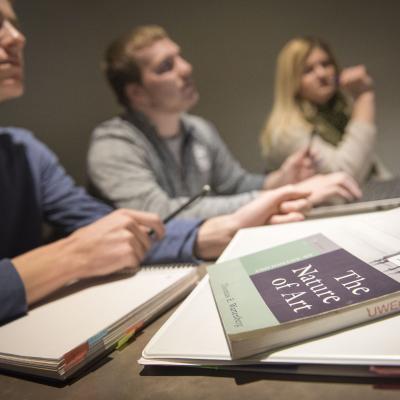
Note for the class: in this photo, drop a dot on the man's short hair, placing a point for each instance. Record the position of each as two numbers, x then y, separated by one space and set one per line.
120 65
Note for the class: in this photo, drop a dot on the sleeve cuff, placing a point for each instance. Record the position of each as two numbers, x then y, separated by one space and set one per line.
362 128
12 293
177 245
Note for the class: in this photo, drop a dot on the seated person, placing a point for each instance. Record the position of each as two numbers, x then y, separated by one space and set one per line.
155 156
35 188
319 107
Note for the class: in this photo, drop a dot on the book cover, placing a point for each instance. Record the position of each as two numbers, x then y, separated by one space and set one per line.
300 290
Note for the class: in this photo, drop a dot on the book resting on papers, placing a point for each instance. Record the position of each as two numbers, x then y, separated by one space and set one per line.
299 290
368 349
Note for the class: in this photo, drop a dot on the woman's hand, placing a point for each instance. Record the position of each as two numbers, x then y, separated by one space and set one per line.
356 81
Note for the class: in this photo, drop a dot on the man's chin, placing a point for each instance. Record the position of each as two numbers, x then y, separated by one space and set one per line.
192 101
10 91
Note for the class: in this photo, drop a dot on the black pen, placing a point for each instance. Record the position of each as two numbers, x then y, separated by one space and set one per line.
204 192
314 133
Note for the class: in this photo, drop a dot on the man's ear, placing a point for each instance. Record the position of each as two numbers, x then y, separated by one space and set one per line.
136 95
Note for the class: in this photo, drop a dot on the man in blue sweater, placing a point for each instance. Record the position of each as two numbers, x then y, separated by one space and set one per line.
35 188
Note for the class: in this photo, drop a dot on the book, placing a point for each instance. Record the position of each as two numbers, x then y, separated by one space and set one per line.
300 290
361 351
351 352
90 318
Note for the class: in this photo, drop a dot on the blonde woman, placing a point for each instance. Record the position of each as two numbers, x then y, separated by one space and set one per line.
328 111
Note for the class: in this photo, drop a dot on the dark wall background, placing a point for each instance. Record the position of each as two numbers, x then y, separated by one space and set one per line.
232 45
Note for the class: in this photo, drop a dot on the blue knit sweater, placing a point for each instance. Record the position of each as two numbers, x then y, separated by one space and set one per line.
35 188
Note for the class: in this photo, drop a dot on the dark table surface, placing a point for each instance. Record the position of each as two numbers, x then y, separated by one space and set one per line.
119 376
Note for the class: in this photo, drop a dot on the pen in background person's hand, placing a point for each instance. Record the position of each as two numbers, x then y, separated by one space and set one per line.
309 146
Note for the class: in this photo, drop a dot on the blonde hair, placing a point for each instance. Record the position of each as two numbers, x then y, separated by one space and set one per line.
120 65
289 109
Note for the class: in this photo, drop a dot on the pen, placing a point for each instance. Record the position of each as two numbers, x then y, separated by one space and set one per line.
313 133
204 192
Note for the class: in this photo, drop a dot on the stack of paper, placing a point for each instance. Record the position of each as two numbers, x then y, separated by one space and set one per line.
194 335
89 319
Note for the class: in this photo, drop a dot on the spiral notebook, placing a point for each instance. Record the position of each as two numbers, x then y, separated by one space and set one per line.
90 318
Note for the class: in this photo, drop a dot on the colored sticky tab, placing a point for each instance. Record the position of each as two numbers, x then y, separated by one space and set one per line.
386 371
76 355
216 367
128 334
96 338
121 342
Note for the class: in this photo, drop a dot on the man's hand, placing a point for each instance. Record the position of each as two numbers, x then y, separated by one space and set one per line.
118 240
331 188
286 204
296 168
113 242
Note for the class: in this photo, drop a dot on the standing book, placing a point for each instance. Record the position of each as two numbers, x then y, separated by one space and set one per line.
299 290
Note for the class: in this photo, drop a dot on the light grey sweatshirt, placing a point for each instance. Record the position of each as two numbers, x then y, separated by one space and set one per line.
129 165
